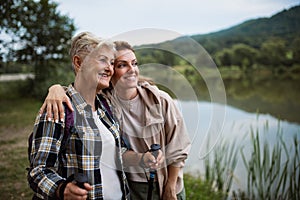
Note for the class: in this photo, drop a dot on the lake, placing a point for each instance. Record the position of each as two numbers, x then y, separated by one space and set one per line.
264 105
236 126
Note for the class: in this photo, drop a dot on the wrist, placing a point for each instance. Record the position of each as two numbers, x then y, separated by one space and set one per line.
172 180
54 87
60 190
62 186
171 183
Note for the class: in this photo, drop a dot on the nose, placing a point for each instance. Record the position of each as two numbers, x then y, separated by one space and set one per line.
110 67
131 67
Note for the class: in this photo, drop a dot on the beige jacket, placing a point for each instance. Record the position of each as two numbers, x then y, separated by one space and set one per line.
164 125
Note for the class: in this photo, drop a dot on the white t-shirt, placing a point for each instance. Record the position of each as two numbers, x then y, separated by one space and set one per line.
110 180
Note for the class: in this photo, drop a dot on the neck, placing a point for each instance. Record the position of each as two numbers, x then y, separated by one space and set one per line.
127 94
88 94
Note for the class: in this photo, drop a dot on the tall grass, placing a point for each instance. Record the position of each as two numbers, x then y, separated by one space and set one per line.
219 169
273 172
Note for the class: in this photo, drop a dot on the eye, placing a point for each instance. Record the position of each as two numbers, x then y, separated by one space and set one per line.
135 64
103 60
121 65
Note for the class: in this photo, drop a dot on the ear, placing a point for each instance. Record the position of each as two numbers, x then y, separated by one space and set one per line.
76 63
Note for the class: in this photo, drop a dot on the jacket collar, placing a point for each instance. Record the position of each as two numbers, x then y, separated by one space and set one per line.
153 104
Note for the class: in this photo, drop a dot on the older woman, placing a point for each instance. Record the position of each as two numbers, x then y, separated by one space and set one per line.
93 146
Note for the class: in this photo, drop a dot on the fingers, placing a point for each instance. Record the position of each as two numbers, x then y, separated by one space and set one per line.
153 163
60 111
52 109
72 191
49 110
150 161
54 103
42 109
55 112
160 157
87 186
46 107
68 102
149 158
55 109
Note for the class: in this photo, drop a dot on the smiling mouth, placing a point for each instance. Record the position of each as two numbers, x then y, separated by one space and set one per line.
130 78
103 75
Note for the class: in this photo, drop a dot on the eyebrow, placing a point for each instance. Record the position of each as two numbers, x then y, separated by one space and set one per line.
124 60
101 55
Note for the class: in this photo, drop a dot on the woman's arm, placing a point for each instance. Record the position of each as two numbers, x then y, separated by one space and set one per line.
177 147
53 103
170 187
42 175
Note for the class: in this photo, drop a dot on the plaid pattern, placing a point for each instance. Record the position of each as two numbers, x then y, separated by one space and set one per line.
82 152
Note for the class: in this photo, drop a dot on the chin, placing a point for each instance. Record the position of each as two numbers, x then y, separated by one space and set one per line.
131 83
102 86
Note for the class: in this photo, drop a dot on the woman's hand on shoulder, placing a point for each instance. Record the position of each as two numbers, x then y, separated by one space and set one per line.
53 103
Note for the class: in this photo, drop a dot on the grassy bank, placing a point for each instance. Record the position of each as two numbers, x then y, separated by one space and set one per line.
16 120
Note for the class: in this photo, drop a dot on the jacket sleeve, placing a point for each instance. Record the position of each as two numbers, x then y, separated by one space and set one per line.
42 175
177 144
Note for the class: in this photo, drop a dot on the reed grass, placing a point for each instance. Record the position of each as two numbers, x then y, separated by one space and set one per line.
219 168
273 171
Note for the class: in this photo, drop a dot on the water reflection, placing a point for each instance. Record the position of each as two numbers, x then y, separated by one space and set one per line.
279 97
236 126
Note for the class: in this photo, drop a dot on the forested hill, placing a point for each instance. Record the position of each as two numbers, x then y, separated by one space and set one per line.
266 42
285 25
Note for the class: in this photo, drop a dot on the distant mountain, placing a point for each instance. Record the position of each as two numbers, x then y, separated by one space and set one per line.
265 42
285 25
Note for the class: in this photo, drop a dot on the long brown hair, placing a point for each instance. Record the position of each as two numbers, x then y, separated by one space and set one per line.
123 45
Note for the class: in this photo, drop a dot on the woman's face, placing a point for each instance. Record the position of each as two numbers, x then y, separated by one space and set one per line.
97 67
126 70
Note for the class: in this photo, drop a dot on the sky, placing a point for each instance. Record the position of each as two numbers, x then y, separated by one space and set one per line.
150 21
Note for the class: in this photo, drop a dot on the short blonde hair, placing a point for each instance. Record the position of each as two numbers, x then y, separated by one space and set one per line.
84 42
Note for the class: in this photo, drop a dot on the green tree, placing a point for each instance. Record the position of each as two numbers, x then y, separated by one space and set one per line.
243 55
273 52
35 33
295 46
223 57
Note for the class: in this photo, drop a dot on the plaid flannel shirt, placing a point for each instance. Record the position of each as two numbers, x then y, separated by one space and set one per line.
82 151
